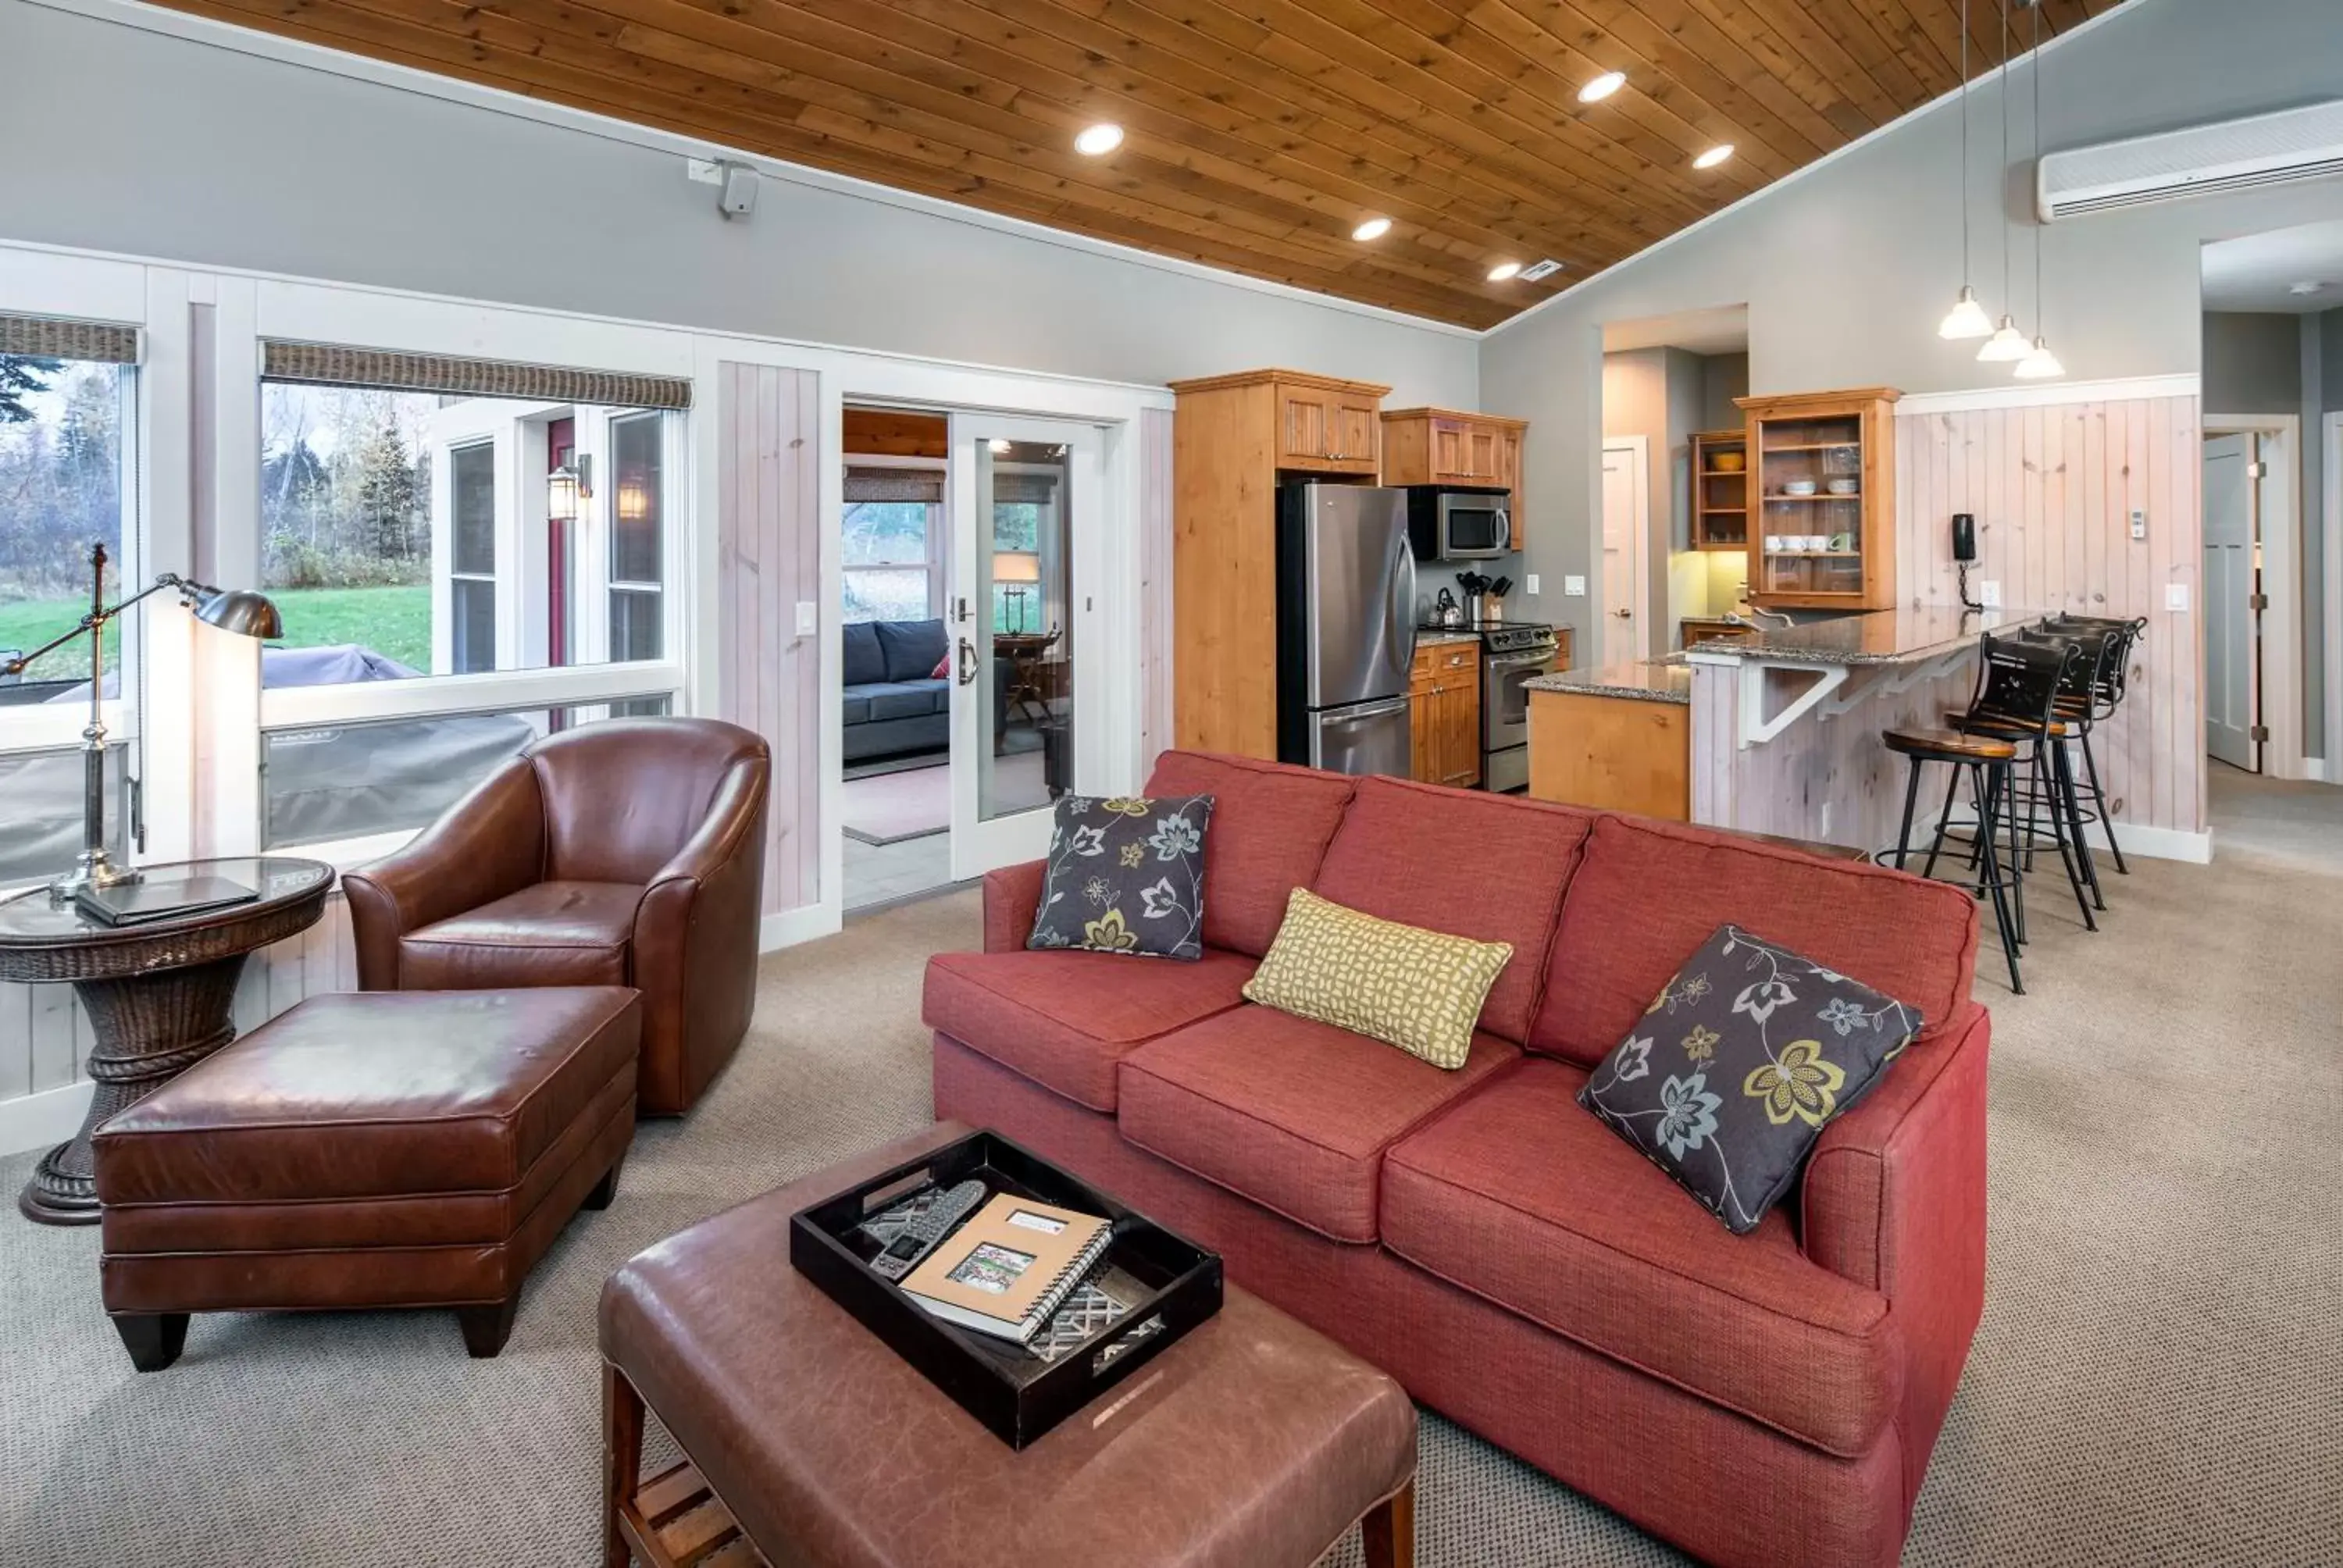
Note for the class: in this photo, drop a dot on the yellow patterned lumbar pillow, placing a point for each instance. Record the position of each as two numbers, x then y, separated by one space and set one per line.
1417 989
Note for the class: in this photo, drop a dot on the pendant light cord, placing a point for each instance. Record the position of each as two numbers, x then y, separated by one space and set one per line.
1966 254
2033 69
2004 202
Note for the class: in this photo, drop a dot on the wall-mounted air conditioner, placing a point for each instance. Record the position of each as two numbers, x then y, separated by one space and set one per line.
2232 156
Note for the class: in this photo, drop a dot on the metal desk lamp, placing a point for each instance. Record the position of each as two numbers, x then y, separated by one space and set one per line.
239 610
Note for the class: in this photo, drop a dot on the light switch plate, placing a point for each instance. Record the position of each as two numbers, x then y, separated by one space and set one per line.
1529 585
2176 595
1574 587
808 618
2139 522
1989 593
703 171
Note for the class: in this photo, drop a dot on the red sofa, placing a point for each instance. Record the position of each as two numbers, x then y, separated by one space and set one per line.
1767 1399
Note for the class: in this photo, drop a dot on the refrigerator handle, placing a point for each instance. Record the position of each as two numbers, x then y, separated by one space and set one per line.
1404 584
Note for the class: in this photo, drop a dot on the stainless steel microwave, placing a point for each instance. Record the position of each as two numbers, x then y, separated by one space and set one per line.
1459 522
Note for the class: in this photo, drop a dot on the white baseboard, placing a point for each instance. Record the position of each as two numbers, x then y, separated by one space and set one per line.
2159 843
38 1120
791 927
2314 769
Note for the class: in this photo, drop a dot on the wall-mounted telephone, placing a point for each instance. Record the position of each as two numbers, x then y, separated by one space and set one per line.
1964 554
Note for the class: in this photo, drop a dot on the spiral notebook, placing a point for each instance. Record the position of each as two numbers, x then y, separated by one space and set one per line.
1009 1267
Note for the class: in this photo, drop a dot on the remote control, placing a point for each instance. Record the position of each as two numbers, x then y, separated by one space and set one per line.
930 1225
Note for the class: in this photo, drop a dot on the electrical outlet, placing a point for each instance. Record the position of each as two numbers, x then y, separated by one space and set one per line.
2139 522
1989 595
2175 597
1529 585
808 618
1574 587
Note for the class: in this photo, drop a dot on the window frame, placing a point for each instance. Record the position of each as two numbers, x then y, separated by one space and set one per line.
938 534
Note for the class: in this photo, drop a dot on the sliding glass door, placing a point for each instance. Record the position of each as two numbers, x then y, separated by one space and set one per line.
1018 639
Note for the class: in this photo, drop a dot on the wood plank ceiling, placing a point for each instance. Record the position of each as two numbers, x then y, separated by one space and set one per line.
1259 133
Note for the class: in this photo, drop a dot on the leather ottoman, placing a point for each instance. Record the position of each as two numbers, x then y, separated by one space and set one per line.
404 1148
1252 1443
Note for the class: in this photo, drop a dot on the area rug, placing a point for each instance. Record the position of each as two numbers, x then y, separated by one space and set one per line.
893 807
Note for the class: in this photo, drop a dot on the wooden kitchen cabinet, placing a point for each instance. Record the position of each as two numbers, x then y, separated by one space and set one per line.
1446 446
1232 438
1444 714
1821 489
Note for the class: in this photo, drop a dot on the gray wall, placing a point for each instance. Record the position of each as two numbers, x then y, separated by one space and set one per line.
1724 377
1847 270
2253 363
204 153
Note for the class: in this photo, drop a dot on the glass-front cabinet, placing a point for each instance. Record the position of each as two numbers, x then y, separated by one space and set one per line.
1821 485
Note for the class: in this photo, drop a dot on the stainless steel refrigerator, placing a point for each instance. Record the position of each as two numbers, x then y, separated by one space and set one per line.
1345 627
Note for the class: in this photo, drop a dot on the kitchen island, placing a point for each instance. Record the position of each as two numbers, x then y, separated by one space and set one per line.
1776 732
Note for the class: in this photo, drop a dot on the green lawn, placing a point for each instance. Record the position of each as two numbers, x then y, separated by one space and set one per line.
394 622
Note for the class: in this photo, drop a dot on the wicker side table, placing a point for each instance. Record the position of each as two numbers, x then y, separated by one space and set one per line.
158 996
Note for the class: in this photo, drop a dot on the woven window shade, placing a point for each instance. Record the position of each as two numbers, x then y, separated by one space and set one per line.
1037 488
895 485
323 364
47 337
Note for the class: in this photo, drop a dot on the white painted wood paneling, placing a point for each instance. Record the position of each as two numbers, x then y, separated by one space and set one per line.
1155 573
769 548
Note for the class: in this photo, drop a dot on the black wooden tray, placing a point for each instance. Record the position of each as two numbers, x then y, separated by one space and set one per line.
1016 1394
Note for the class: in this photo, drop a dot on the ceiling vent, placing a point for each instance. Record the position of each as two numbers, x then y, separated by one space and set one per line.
2204 160
1538 269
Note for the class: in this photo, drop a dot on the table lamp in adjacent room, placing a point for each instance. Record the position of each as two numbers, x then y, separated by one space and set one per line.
1018 572
239 610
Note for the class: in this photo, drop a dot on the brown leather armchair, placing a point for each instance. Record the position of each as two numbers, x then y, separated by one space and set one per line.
627 853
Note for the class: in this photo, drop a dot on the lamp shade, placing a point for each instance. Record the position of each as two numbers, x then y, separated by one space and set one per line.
243 612
1016 566
561 494
1966 318
2008 344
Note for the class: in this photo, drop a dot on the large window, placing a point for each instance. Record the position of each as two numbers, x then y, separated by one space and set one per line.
892 561
411 533
61 447
66 443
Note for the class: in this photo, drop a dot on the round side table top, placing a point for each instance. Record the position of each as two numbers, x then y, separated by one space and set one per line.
41 940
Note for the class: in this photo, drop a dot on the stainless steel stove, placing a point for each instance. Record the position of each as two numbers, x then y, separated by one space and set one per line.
1512 652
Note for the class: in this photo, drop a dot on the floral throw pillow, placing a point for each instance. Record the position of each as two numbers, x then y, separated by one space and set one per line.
1739 1063
1126 875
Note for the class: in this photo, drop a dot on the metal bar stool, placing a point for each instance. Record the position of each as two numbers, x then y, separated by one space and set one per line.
2019 680
2112 680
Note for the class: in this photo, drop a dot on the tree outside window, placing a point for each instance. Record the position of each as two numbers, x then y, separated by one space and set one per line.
60 492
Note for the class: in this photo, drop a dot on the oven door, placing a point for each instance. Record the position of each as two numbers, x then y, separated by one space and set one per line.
1475 527
1505 698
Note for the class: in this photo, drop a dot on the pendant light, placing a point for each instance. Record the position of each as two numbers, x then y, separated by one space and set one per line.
1968 317
2008 343
2039 364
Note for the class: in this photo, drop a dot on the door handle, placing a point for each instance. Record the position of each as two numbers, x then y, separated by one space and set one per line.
967 661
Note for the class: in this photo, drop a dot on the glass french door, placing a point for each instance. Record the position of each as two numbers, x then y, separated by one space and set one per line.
1019 630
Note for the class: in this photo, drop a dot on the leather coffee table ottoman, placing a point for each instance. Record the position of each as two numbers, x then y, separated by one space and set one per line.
1252 1443
386 1149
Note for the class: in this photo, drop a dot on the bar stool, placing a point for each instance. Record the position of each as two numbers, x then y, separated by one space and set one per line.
2013 679
2047 780
2111 681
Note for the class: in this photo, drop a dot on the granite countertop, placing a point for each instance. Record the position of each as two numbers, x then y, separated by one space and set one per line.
1427 638
1908 634
1665 679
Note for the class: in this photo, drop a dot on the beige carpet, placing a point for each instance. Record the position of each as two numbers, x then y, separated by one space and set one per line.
2158 1380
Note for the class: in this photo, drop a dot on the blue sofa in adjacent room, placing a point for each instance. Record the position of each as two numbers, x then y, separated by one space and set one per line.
893 701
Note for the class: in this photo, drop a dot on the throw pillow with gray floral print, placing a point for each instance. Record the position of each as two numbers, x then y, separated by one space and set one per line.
1738 1066
1126 875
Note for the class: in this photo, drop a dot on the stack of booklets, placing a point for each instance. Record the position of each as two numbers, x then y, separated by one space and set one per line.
1011 1266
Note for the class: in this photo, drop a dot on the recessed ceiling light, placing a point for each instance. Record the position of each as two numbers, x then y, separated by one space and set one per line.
1603 86
1713 156
1097 141
1503 270
2307 286
1373 228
